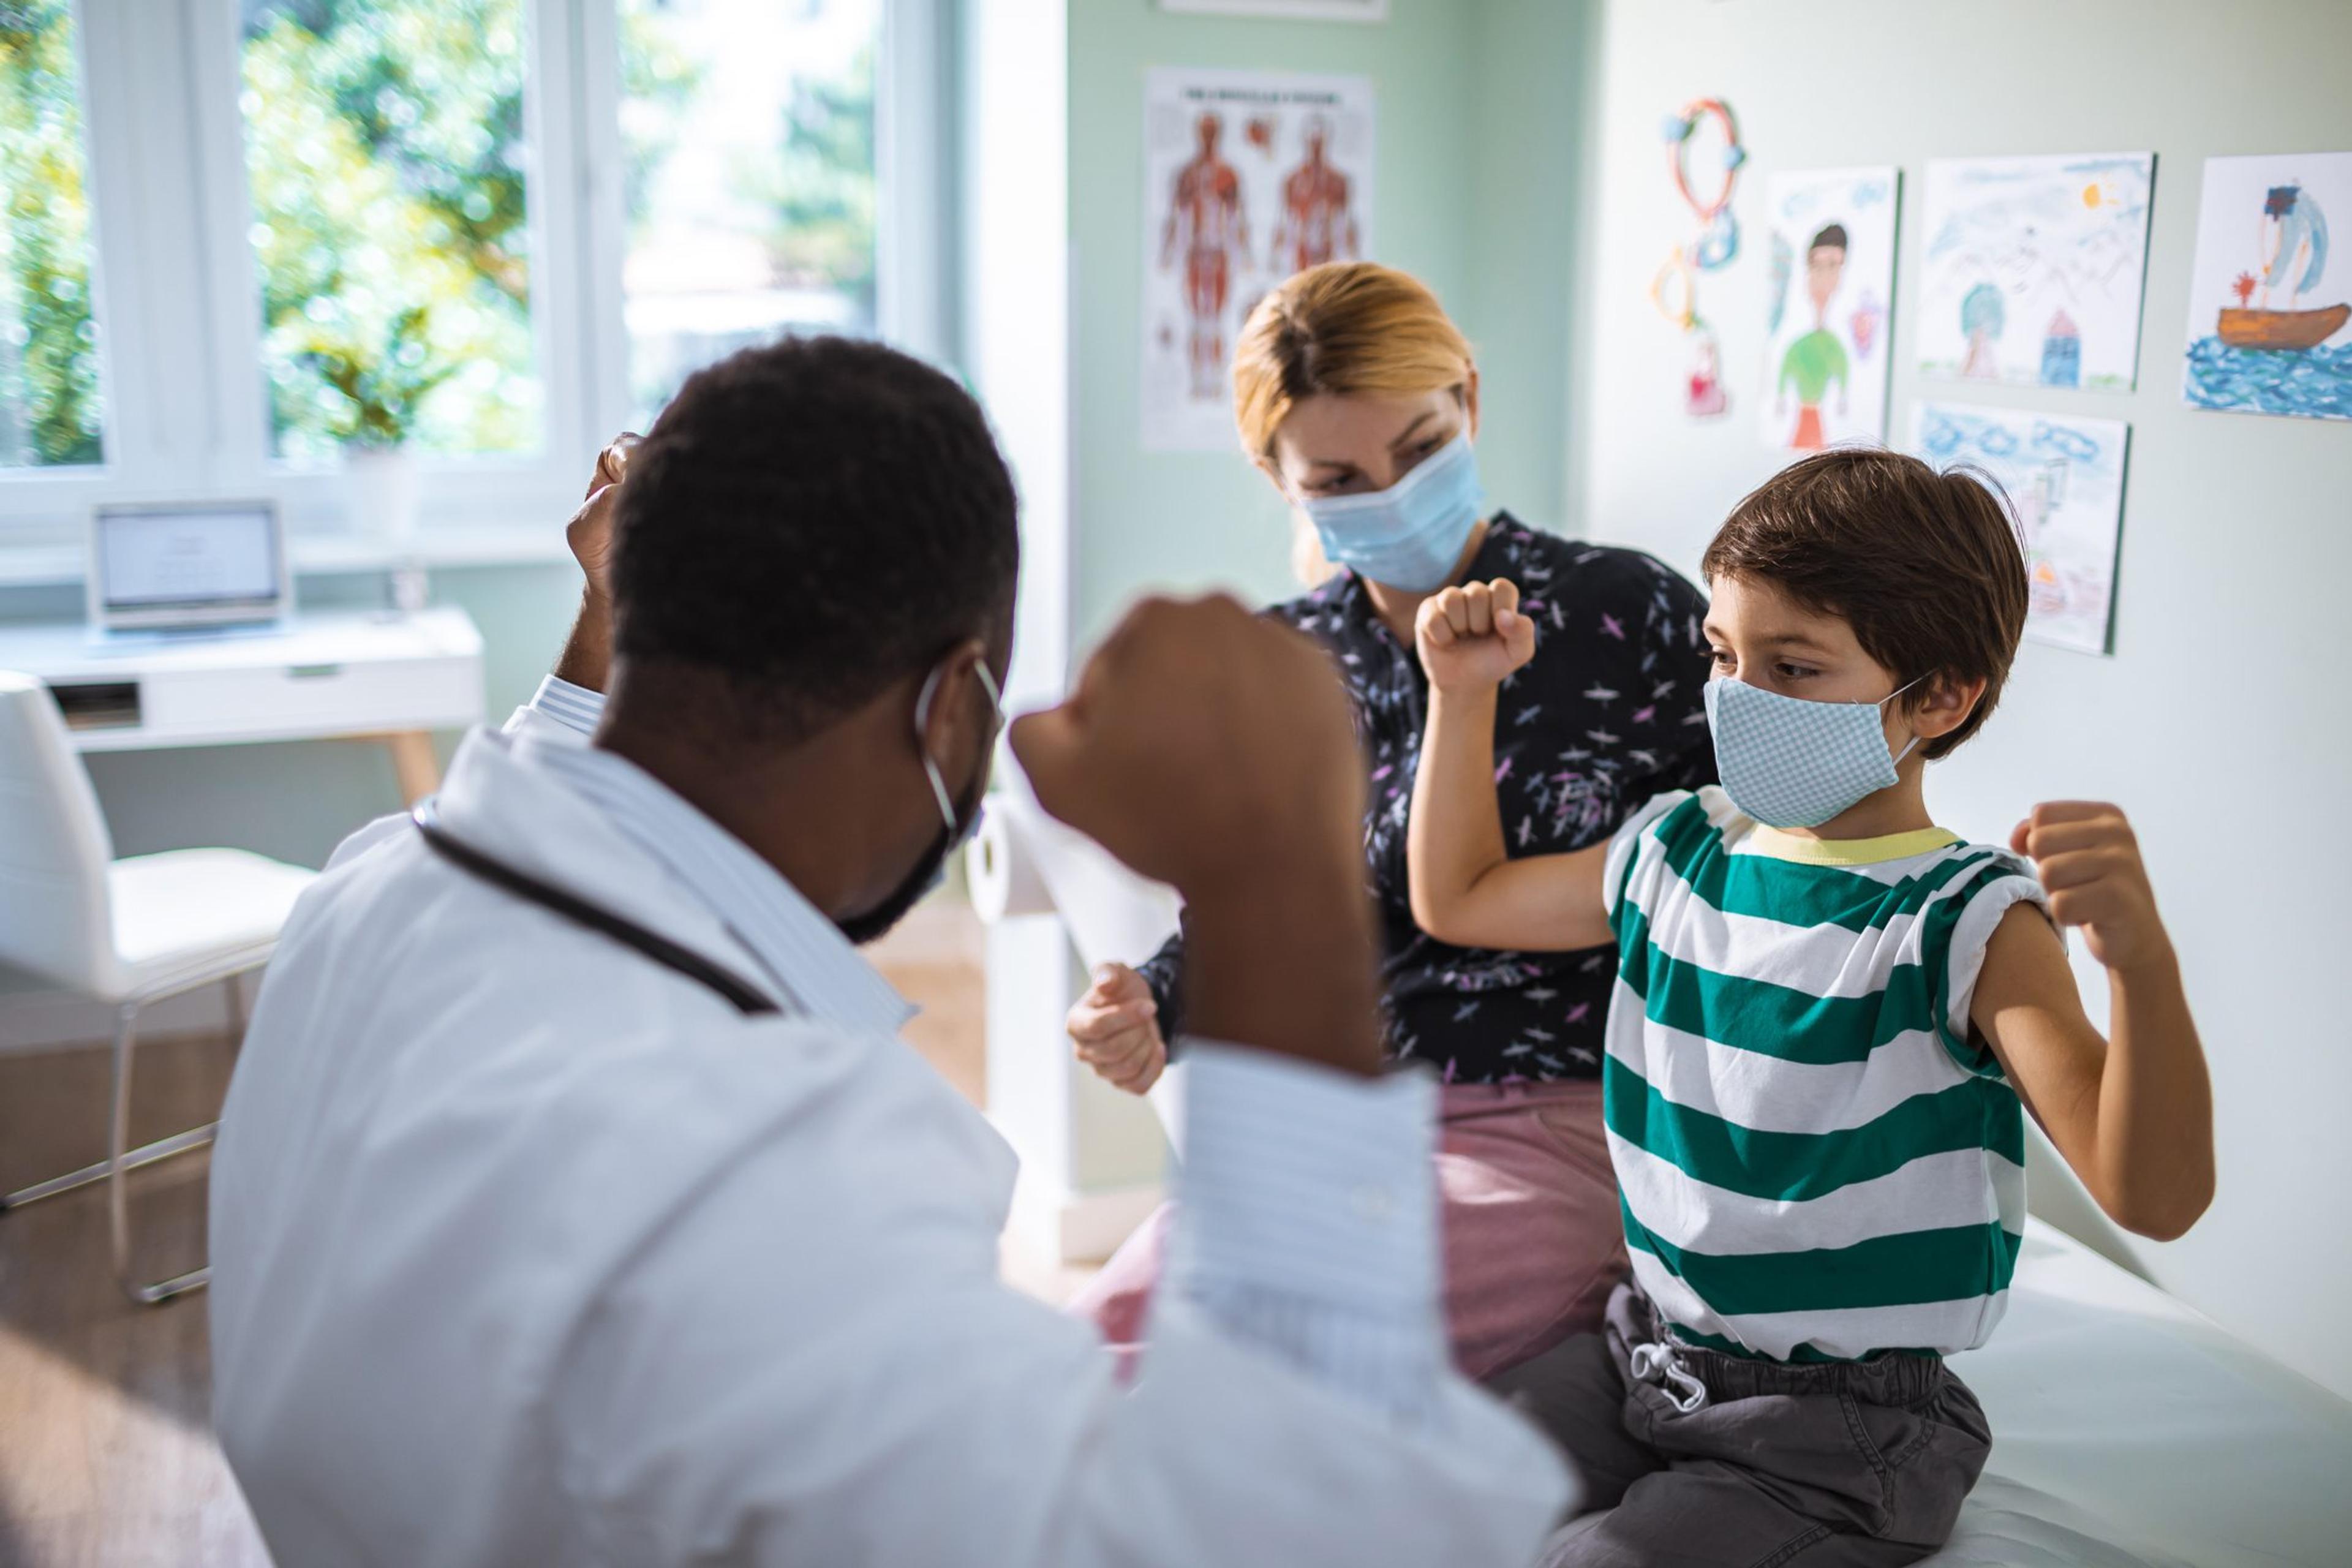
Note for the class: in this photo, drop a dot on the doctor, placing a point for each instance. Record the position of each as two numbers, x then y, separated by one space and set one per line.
576 1202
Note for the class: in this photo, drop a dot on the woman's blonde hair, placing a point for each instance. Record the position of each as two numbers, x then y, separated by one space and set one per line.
1343 327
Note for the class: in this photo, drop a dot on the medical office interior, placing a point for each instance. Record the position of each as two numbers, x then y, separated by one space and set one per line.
315 315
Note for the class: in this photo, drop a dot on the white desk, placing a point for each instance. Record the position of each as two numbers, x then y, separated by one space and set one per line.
353 675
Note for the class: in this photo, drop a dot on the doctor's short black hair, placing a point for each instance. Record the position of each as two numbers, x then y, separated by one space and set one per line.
813 519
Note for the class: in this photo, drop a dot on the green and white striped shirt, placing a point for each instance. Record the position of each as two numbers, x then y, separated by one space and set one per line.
1817 1160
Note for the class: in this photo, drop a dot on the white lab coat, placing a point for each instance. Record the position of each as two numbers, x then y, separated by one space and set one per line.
529 1250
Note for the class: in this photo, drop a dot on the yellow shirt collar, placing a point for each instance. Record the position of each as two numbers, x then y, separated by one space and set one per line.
1780 845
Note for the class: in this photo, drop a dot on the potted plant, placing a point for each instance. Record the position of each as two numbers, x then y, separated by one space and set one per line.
382 385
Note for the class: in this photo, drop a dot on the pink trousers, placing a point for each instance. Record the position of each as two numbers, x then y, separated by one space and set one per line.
1527 1206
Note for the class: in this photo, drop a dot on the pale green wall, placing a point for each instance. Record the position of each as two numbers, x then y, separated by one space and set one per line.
2220 721
1478 104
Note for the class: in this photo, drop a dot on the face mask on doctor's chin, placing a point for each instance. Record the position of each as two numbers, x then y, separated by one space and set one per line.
960 820
1410 535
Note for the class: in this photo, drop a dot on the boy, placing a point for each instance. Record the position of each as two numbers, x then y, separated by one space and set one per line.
1830 1019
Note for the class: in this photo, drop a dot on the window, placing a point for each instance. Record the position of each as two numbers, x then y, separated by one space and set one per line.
50 409
384 147
748 147
246 236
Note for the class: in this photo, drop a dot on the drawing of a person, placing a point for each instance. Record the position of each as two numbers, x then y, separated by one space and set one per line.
1817 358
1317 224
1207 228
2292 228
1982 315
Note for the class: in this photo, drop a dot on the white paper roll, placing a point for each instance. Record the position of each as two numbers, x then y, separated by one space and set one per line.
1025 862
1004 873
1113 915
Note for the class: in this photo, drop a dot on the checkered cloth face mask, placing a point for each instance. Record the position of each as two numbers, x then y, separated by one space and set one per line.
1789 762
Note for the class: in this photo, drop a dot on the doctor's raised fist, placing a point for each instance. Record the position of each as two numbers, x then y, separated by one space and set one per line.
590 532
1206 747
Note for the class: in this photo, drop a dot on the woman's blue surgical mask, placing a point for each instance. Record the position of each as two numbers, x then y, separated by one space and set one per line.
1410 535
1789 762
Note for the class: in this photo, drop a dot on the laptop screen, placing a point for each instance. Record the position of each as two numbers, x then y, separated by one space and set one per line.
191 557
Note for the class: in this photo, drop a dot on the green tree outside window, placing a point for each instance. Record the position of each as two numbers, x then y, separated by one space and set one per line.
50 410
386 156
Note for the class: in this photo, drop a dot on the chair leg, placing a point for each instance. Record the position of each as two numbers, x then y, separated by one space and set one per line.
118 1166
145 1154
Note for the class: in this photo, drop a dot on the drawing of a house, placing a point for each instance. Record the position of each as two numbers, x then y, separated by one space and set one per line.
2061 352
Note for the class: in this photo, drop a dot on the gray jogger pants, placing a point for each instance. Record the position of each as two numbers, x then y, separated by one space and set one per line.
1692 1458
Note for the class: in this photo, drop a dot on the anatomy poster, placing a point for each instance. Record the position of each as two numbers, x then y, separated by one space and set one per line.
1248 177
2269 312
1832 278
2063 476
2035 267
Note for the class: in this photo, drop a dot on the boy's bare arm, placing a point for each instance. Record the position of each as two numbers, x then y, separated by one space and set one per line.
1464 888
2133 1115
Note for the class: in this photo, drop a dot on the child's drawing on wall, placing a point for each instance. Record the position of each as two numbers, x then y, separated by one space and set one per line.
2064 479
2267 318
2034 270
1818 361
1833 268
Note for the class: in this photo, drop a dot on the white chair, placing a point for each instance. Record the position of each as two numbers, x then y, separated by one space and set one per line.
126 933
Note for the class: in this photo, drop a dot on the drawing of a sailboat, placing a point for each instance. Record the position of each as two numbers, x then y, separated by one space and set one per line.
2293 217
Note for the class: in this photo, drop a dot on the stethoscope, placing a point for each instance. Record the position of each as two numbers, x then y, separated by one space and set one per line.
748 999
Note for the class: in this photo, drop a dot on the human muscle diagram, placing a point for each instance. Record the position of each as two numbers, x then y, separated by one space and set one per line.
1249 176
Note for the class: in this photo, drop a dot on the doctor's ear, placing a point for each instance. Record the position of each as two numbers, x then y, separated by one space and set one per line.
959 712
1470 401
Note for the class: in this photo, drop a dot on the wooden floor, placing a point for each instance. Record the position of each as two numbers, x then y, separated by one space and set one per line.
106 1455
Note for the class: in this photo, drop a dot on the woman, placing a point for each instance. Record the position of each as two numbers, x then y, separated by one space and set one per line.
1357 397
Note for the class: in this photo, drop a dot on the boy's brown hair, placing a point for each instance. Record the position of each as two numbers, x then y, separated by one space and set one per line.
1926 567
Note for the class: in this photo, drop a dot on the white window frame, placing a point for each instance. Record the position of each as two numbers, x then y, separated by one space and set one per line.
178 303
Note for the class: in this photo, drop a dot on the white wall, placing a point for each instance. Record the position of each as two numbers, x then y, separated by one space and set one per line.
2221 721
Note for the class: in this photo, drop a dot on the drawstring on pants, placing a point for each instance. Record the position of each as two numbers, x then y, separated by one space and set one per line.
1657 1363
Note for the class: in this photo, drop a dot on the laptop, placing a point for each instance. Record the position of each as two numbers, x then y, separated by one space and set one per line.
208 566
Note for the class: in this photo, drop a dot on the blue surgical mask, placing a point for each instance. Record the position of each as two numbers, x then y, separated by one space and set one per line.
1410 535
1789 762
